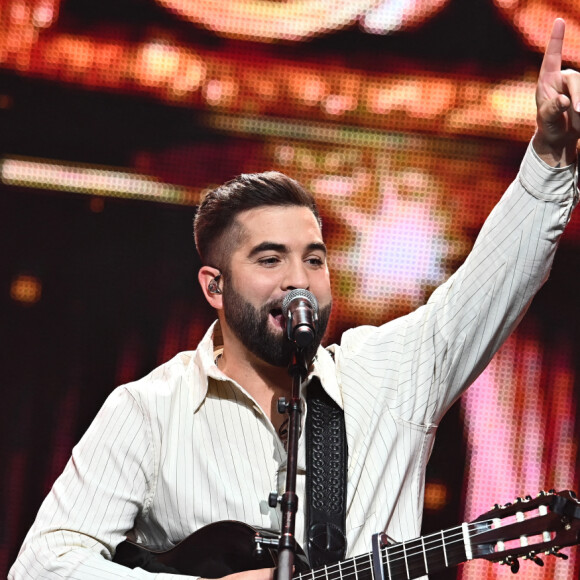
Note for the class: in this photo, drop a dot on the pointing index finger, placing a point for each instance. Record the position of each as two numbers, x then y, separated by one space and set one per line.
552 61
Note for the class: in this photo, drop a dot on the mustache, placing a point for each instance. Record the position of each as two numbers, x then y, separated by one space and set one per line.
273 305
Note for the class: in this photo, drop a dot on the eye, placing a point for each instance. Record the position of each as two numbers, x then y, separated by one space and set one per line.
316 261
269 261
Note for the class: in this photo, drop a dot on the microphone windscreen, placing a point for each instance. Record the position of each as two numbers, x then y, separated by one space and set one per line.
299 293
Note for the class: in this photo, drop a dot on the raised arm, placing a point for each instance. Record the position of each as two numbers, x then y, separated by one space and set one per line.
558 104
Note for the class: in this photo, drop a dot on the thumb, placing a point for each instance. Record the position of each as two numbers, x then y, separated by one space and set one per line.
553 109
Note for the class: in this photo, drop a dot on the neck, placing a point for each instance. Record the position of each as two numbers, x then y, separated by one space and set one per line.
264 382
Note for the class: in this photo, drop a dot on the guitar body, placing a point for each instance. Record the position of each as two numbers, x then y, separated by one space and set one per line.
214 551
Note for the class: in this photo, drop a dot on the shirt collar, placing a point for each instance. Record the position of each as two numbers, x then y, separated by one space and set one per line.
203 367
324 367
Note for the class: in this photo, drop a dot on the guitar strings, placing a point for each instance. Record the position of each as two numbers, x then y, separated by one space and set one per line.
402 551
474 530
394 550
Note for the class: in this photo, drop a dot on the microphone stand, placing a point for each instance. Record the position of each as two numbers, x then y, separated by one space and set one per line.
289 501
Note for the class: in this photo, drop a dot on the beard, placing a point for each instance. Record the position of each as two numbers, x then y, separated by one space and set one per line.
252 327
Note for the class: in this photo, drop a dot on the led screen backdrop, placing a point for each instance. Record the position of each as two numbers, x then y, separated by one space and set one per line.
407 120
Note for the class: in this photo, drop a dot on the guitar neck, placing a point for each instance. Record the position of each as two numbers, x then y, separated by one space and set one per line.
402 561
425 555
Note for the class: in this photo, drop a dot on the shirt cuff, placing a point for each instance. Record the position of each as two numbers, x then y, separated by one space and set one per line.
545 182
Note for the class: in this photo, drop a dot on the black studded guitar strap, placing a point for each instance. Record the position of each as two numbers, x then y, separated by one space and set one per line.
326 466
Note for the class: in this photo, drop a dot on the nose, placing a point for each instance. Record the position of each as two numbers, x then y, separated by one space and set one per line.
296 276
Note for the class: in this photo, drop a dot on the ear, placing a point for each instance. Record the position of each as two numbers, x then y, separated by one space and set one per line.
205 275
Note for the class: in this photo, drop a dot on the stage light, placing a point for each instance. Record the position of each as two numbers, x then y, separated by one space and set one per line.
93 180
436 495
26 289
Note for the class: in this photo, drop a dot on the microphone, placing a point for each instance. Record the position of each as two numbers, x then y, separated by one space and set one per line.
300 310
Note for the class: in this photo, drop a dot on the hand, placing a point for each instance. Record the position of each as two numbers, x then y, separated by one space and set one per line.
558 104
261 574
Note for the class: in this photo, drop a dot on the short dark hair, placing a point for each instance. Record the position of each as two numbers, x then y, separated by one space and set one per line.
215 226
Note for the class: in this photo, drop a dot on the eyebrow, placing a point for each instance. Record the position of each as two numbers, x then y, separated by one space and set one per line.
317 246
283 248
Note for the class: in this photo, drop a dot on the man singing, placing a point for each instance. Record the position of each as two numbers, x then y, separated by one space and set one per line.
199 439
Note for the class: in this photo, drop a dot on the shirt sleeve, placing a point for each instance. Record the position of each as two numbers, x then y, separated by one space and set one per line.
94 503
420 363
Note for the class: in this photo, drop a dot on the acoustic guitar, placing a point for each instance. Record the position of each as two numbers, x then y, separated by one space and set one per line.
529 528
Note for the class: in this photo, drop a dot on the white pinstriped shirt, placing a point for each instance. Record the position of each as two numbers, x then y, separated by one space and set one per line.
185 446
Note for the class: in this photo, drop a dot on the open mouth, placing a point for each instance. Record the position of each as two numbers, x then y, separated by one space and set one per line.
277 317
